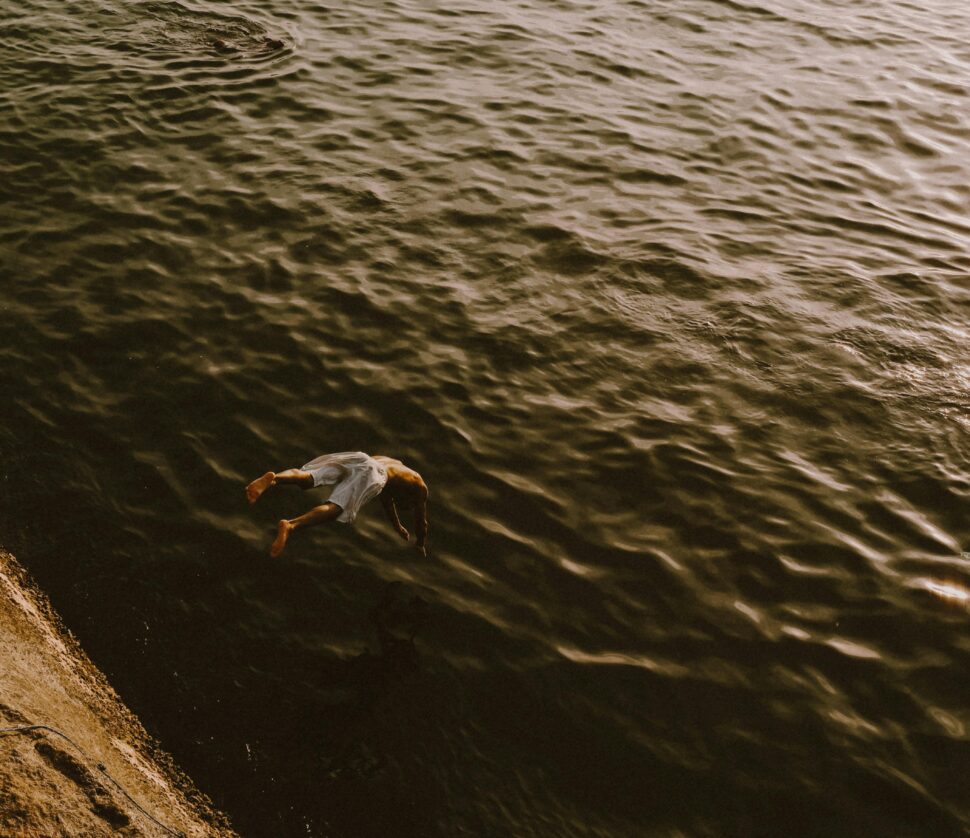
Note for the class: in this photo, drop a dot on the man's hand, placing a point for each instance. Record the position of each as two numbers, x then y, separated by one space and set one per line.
403 533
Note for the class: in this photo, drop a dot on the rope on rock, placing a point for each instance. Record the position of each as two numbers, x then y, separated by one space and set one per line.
6 731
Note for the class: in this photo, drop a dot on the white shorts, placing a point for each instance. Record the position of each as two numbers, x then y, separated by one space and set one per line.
355 477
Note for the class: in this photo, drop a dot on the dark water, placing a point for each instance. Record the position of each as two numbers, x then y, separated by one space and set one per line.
669 303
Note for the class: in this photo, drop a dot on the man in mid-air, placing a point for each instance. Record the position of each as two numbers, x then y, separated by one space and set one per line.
354 478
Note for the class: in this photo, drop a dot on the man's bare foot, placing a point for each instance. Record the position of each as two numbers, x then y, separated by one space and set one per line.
258 486
282 534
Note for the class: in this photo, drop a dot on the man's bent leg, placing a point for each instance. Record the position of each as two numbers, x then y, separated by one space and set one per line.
295 475
291 475
317 515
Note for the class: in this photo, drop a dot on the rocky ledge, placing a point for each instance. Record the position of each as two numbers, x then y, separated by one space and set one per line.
74 761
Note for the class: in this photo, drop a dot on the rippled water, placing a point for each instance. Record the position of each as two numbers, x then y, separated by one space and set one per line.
668 301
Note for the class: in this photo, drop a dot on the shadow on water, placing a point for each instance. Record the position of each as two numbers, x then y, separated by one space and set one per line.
367 678
322 733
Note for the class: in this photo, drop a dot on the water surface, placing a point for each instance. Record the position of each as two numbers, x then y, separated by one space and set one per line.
667 301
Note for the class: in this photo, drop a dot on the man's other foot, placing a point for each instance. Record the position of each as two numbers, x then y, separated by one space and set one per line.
258 486
282 535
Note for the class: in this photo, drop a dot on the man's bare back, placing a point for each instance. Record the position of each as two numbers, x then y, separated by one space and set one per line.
405 490
356 478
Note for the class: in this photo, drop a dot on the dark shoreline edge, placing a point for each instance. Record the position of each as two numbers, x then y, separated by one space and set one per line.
48 679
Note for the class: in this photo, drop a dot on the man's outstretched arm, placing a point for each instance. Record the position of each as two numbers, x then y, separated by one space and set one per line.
421 522
390 510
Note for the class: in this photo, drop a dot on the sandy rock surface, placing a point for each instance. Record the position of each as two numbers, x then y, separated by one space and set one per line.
92 770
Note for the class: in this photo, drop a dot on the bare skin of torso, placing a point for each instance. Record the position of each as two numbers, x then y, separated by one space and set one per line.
405 490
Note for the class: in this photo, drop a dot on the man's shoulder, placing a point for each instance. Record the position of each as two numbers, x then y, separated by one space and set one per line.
404 476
